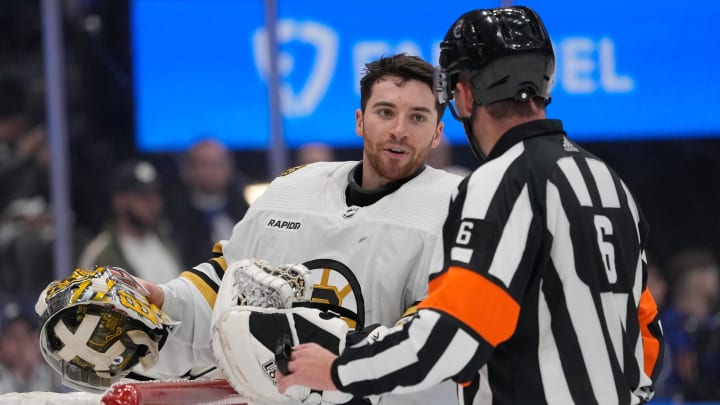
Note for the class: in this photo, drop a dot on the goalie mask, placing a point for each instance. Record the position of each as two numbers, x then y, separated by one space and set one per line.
97 325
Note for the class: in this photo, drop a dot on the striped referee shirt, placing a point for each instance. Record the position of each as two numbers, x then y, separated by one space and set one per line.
542 296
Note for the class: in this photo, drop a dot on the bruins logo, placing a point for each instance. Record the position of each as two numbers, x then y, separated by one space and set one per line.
335 287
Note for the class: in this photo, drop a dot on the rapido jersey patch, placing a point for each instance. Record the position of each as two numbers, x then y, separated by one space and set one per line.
283 225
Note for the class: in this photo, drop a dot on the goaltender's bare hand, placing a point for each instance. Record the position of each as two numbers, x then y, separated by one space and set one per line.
309 366
157 295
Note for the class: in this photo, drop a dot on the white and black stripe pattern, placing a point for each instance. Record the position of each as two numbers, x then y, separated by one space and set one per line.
548 227
432 342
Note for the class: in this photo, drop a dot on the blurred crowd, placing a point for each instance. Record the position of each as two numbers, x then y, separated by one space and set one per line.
687 291
22 368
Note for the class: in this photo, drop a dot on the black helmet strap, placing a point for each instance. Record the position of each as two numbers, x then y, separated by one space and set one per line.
467 125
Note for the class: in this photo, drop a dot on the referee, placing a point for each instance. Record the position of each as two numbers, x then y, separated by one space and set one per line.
542 299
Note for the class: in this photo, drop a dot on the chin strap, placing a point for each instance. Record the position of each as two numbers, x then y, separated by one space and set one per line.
467 125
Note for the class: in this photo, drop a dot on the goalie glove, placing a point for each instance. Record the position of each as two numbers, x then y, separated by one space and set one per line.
97 325
246 342
254 282
252 319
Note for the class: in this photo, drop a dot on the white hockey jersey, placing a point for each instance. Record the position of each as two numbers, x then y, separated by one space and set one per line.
374 260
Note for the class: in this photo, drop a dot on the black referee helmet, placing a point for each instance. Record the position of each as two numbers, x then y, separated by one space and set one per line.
505 52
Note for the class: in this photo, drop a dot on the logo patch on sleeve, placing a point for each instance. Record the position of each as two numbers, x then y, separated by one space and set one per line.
283 224
292 169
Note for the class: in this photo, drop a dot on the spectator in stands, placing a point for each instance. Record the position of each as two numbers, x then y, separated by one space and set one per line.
692 326
135 238
24 152
657 283
658 286
26 240
22 368
26 235
209 202
314 152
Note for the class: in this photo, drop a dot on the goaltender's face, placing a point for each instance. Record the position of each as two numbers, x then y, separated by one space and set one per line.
399 127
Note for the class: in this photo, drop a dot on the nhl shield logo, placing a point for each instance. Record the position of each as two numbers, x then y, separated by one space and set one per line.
350 212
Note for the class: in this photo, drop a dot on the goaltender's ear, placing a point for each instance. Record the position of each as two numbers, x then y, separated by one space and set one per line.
359 125
438 135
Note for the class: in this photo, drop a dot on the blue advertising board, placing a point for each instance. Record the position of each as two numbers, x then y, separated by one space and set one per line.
625 70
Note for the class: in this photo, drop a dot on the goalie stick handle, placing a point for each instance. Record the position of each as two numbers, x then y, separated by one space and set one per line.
173 392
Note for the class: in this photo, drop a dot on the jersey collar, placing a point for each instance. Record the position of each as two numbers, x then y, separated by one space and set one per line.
356 195
524 131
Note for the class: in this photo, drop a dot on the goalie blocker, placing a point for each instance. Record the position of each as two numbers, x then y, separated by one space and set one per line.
262 311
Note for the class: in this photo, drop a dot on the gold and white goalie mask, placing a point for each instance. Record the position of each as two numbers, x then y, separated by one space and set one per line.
97 325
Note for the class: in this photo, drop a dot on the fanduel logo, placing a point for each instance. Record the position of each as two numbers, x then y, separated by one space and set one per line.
283 225
323 39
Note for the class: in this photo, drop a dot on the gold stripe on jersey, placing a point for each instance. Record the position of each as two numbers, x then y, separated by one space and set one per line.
221 261
217 249
207 292
410 311
407 315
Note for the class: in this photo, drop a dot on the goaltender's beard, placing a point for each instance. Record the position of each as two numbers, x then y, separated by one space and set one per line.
395 169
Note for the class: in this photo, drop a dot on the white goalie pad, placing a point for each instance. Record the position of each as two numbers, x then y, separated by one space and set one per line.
245 340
